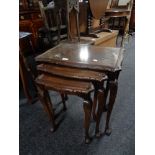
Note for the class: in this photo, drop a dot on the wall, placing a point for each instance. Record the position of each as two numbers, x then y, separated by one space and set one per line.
123 2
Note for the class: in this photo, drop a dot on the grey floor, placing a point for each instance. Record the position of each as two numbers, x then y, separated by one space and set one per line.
35 136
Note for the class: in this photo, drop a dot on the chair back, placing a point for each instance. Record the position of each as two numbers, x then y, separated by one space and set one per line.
49 15
73 9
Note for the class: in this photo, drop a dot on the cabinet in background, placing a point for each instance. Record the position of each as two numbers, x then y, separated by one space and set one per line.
30 18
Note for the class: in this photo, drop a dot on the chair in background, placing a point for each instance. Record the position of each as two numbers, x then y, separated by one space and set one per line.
27 68
53 28
73 30
120 17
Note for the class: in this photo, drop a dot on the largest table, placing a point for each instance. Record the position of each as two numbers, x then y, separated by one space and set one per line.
102 59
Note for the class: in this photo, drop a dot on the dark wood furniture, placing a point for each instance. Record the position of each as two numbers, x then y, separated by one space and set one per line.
119 12
104 39
52 23
97 21
104 60
82 89
96 78
91 28
25 48
73 25
30 18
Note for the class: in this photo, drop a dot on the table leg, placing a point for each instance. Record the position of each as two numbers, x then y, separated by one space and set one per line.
87 106
47 104
94 105
106 95
101 104
113 92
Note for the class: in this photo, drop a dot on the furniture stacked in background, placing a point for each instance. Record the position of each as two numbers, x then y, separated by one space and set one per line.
30 19
94 26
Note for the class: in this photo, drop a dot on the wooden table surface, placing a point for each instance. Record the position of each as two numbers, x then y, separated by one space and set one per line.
84 56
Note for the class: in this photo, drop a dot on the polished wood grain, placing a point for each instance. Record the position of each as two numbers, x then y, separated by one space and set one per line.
83 56
69 72
59 84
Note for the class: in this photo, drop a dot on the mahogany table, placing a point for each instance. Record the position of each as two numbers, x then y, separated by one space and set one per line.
102 59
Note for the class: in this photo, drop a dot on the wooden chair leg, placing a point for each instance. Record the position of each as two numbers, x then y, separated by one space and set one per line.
87 106
101 104
113 93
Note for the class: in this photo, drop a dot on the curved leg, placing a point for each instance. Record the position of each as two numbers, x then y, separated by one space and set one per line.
46 102
94 105
50 107
106 95
113 92
101 104
87 106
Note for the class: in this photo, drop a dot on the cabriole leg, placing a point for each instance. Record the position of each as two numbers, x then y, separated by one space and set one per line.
113 92
87 106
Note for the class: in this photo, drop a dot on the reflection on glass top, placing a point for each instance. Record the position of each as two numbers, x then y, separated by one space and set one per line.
83 56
